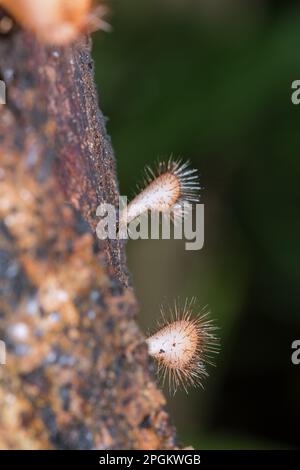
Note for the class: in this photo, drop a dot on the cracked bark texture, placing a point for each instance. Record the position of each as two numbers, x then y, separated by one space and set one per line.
77 374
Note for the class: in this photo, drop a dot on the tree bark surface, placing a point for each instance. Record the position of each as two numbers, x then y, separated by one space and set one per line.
77 372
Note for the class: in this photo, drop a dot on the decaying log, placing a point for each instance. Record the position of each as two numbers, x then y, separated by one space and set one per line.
77 373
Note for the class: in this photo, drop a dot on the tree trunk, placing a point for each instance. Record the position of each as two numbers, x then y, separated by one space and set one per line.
77 374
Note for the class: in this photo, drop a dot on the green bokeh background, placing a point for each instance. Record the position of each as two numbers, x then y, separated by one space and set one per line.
211 81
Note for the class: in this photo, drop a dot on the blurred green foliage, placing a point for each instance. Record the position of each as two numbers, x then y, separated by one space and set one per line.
216 88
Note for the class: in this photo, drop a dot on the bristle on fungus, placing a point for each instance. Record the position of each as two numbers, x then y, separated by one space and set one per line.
57 22
165 191
183 346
